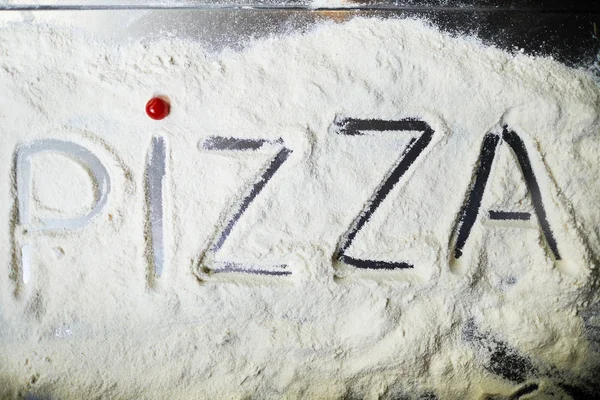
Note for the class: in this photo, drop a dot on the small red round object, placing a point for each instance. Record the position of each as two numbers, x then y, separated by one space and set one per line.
157 108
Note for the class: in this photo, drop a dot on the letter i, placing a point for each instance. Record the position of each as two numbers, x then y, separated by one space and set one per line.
155 191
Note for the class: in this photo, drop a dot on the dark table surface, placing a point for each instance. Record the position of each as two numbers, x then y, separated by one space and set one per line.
566 30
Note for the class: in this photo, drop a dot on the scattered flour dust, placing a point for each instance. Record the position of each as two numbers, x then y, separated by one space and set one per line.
504 320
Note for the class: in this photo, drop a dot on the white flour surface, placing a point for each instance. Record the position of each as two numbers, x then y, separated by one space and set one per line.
87 317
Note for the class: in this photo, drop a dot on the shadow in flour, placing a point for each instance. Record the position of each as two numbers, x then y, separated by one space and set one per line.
528 389
578 392
424 396
17 387
524 390
404 396
500 358
30 396
591 322
507 362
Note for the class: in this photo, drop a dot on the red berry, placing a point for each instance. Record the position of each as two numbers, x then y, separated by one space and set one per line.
157 108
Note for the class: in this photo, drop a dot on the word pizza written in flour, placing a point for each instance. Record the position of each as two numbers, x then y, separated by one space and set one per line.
156 171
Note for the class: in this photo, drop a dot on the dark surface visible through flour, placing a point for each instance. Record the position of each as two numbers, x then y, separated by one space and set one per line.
567 31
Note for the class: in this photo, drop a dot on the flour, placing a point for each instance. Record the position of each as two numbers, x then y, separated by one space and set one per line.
94 322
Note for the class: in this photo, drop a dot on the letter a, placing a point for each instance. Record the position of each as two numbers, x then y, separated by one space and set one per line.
471 209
